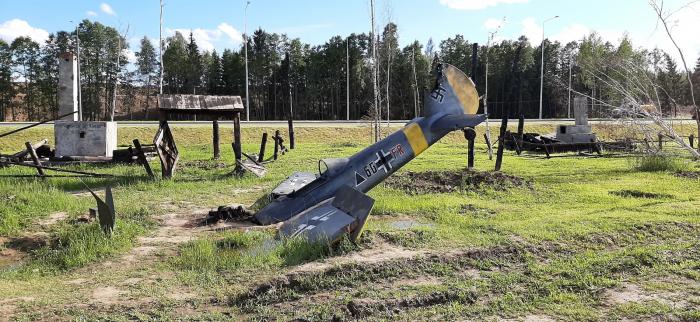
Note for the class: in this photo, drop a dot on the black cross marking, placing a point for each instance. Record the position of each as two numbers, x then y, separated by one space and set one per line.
384 161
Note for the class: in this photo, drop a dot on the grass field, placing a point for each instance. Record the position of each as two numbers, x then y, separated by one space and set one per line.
567 238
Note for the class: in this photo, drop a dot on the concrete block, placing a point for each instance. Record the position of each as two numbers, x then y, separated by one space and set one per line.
573 129
577 138
94 139
68 86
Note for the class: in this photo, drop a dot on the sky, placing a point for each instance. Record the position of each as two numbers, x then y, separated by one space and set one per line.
219 24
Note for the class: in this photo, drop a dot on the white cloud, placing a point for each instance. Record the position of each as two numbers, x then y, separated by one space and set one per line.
130 55
492 23
476 4
11 29
91 13
106 8
532 30
233 34
207 38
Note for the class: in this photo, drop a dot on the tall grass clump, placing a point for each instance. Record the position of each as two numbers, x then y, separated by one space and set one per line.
659 163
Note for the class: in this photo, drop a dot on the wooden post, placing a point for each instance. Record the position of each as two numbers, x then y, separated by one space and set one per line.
517 142
261 155
35 158
237 137
501 142
488 144
142 158
470 135
277 144
661 141
215 139
291 132
521 126
691 140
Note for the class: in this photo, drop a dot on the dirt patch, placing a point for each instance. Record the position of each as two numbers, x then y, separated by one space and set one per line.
688 175
631 293
452 181
203 165
418 281
28 242
376 254
356 274
640 194
52 219
106 295
367 307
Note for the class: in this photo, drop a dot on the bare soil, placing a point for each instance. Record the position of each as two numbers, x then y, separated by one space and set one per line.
452 181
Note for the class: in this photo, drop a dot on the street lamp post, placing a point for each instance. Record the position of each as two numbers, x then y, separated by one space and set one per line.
245 48
542 65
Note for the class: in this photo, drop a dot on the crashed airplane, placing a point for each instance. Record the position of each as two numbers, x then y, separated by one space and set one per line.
325 207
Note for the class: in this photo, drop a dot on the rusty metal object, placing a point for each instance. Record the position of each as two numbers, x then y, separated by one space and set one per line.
250 164
167 150
142 158
105 210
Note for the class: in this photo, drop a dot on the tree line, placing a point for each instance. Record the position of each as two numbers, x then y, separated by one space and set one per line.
290 76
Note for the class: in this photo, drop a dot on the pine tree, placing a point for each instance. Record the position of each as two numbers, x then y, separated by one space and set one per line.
147 67
194 66
7 91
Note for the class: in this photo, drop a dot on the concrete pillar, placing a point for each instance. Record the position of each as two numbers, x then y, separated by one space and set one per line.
68 86
581 110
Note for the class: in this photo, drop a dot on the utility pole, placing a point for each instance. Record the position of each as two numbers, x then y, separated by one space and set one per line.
245 48
388 83
542 65
374 76
347 80
415 82
571 58
161 47
486 87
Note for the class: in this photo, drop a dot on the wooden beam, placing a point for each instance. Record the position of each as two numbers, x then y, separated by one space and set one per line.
35 158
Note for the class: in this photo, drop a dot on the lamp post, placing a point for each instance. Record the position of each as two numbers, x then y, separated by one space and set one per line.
245 48
542 65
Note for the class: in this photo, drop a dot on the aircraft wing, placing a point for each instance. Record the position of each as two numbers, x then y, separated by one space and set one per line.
329 220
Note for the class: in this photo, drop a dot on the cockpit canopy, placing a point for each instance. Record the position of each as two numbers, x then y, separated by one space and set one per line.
331 167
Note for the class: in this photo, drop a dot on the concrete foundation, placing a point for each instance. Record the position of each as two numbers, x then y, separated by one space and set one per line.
94 139
575 134
581 132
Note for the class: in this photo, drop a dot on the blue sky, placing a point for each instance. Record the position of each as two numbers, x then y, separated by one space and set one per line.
219 23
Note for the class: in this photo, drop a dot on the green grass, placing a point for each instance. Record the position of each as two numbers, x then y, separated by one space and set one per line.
581 227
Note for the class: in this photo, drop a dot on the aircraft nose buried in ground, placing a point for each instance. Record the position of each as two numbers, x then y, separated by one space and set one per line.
327 206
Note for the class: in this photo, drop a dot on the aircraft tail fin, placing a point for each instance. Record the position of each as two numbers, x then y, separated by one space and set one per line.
454 93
